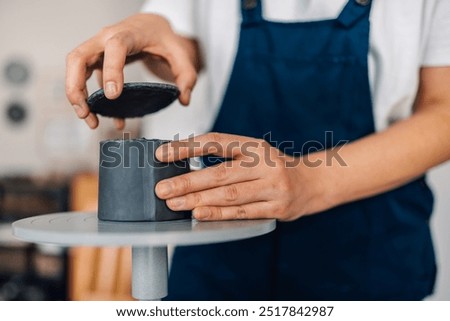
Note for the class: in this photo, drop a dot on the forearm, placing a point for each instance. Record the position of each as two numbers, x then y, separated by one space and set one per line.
388 159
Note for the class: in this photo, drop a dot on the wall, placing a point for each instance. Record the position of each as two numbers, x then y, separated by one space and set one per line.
39 34
439 179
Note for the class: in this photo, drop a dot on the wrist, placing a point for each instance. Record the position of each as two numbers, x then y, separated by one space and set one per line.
320 181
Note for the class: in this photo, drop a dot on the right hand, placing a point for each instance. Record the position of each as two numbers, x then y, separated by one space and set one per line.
143 36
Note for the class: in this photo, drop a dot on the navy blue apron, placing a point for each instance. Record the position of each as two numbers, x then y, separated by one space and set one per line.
307 83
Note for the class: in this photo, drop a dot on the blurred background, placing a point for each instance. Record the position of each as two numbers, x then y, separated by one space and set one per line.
49 159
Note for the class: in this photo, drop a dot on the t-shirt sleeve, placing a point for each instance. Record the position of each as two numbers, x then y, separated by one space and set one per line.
180 14
437 44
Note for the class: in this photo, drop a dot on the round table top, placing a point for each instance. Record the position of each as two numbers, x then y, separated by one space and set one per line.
83 228
7 238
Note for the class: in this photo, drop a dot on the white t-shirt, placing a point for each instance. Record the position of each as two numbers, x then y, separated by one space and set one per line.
405 35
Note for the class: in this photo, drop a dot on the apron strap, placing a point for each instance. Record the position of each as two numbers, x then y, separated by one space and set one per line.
251 11
353 11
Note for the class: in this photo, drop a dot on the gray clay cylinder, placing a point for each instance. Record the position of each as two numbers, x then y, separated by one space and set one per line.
128 173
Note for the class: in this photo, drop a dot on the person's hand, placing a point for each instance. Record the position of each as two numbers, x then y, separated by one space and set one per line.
144 36
258 180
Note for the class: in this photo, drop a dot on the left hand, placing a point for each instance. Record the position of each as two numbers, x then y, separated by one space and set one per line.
258 182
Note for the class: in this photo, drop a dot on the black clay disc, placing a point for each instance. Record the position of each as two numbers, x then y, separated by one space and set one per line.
137 99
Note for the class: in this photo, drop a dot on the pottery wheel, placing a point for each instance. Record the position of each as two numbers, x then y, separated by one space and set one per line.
149 240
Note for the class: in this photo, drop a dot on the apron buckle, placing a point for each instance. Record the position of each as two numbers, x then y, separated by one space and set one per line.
363 2
249 4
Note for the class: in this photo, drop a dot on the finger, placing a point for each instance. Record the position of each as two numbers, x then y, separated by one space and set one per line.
92 120
255 210
76 74
119 123
223 145
183 71
79 65
99 76
229 195
116 51
224 174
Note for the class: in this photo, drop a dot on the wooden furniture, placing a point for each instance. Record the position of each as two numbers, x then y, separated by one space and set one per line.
96 273
149 241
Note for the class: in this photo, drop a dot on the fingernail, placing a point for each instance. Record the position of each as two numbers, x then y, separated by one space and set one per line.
111 88
91 121
201 214
188 94
164 188
177 202
78 110
162 152
185 97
